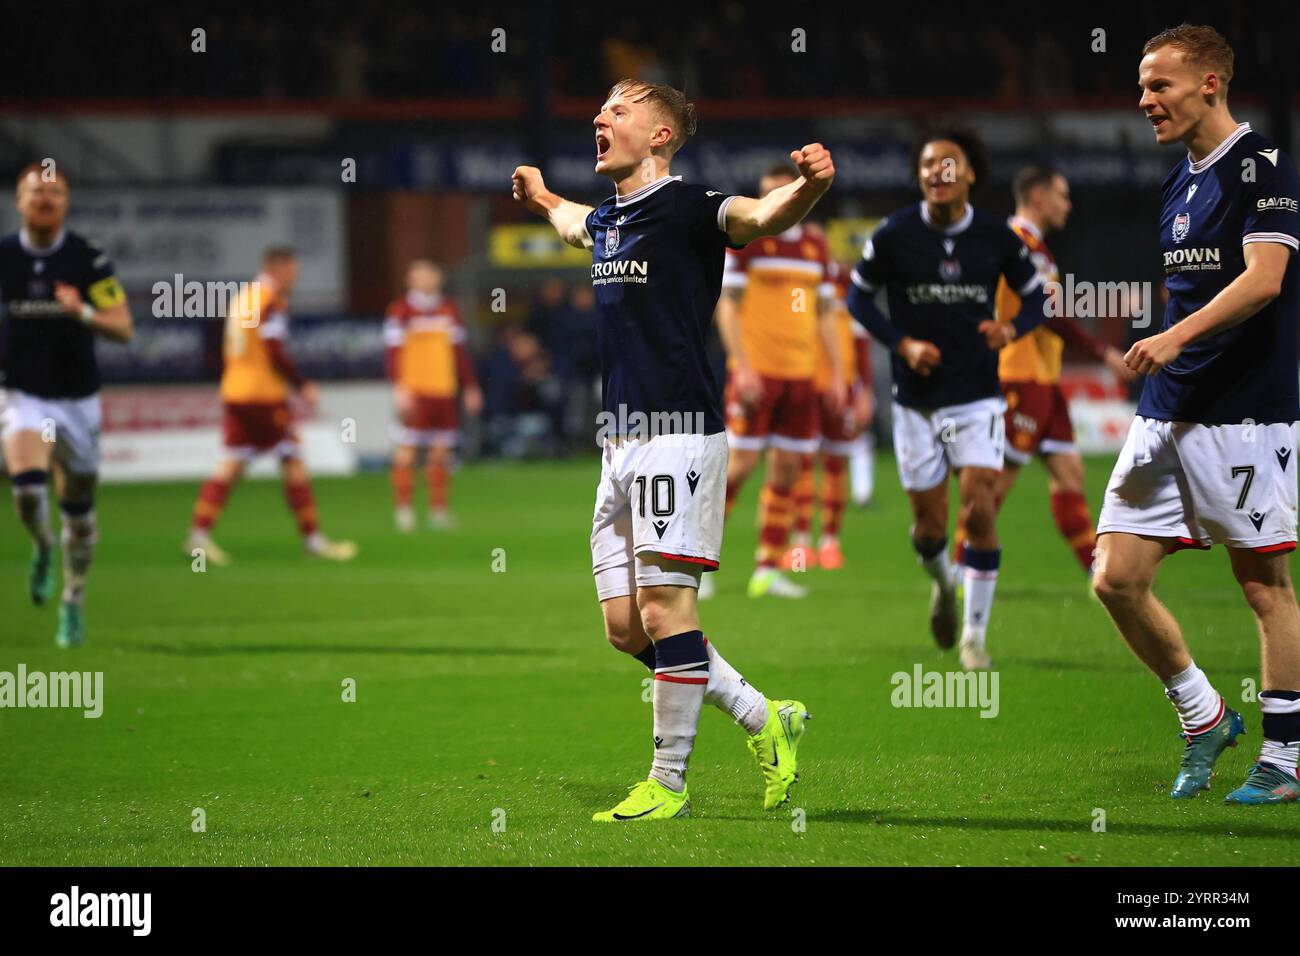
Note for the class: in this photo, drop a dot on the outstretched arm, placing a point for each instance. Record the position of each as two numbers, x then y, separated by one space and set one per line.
747 218
568 218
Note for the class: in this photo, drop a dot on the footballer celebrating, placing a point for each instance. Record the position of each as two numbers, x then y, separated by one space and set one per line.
256 417
429 364
939 263
657 257
58 292
1210 457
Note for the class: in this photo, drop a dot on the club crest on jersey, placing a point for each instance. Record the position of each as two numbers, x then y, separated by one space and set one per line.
950 270
1182 225
611 240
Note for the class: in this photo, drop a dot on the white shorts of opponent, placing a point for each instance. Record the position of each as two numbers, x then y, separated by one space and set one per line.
72 424
659 512
1205 484
929 441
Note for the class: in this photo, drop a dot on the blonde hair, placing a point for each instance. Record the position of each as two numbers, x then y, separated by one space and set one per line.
672 103
1204 47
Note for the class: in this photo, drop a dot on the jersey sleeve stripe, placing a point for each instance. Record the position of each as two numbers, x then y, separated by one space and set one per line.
860 282
1279 237
1032 284
722 213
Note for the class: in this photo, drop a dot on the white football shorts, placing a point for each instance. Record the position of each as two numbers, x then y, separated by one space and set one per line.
72 424
1205 484
659 512
927 442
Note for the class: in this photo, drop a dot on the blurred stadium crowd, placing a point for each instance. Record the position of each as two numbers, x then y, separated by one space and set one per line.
732 49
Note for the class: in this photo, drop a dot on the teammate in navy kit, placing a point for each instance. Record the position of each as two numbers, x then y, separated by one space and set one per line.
657 255
58 292
1210 458
939 263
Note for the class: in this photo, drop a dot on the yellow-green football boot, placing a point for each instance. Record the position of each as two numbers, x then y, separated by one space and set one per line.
648 800
776 748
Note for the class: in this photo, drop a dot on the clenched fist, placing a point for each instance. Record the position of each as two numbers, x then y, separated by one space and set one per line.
1148 356
921 357
997 335
69 297
528 188
815 165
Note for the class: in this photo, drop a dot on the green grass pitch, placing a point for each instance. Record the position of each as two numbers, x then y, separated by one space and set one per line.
489 698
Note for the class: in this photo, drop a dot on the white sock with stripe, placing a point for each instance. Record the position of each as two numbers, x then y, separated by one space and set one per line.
981 582
1198 704
1281 729
681 676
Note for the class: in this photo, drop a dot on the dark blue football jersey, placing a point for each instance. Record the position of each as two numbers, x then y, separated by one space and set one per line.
940 283
656 270
1245 191
43 350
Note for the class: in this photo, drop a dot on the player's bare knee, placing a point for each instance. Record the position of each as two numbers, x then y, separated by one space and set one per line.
622 637
654 616
1265 580
979 517
1267 589
1114 586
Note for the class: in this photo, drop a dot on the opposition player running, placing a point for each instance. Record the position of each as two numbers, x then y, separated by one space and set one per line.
939 263
1210 458
1038 415
58 292
776 305
841 429
429 365
256 417
657 250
